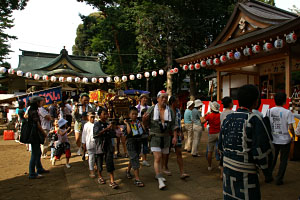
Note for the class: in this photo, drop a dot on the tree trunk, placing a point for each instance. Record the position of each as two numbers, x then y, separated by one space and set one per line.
192 86
169 75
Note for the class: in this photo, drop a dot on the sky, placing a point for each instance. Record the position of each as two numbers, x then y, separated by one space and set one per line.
49 25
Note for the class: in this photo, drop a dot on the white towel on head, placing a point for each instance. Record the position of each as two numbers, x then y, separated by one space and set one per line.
167 114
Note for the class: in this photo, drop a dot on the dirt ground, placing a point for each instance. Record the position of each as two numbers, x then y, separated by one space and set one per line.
74 183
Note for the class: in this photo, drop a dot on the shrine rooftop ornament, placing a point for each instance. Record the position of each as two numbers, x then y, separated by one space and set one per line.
108 79
223 59
36 77
139 76
131 77
203 63
28 75
237 55
20 73
247 51
53 78
216 61
256 49
291 38
185 67
191 67
278 43
209 62
197 66
61 79
267 46
230 55
124 78
45 78
161 72
85 80
147 74
77 80
11 71
101 80
175 70
94 80
69 79
2 70
116 79
154 73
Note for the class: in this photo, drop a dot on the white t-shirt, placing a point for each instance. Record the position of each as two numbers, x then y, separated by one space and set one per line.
87 136
62 138
280 119
44 122
140 108
68 109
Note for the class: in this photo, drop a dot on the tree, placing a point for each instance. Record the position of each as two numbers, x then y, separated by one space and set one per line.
295 9
271 2
6 22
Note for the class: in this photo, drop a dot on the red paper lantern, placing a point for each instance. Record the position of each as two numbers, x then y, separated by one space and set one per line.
203 63
223 59
175 70
268 47
171 71
256 49
185 67
216 61
197 66
230 55
191 67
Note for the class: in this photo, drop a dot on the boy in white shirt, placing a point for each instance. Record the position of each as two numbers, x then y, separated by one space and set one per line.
281 122
88 142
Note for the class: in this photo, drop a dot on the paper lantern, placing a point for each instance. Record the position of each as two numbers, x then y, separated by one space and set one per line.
256 49
291 38
101 80
20 73
124 78
247 51
85 80
175 70
237 55
197 66
28 75
154 73
191 67
230 55
209 62
223 59
77 80
108 79
131 77
116 79
139 76
61 79
203 63
94 80
2 70
216 61
185 67
161 72
69 79
147 74
53 78
45 78
11 71
36 77
171 71
278 43
268 47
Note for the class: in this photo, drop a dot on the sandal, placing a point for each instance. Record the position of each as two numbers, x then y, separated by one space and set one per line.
128 174
167 172
113 185
183 176
101 181
92 175
138 183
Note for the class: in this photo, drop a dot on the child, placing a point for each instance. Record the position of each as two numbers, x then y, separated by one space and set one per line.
88 142
134 140
63 145
53 137
84 120
103 134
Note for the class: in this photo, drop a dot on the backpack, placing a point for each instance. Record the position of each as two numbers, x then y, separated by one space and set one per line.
25 132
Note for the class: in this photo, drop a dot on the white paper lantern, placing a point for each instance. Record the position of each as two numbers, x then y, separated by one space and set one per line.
154 73
2 70
147 74
28 75
77 80
191 67
53 78
11 71
61 79
69 79
132 77
175 70
101 80
216 61
247 51
116 79
20 73
267 46
36 77
209 62
203 63
256 49
230 55
85 80
278 43
161 72
94 80
45 78
291 38
197 66
237 55
108 79
223 59
185 67
139 76
124 78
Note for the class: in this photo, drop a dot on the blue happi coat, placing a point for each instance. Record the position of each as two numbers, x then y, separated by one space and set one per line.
246 147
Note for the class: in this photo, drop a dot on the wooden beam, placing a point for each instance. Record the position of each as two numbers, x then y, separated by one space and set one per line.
218 85
242 72
288 67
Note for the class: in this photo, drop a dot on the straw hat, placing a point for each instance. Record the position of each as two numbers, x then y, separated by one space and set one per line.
214 106
189 104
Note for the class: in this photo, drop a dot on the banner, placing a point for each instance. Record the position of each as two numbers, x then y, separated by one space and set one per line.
52 94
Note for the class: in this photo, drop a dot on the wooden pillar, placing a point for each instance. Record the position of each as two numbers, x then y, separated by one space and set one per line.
219 85
288 67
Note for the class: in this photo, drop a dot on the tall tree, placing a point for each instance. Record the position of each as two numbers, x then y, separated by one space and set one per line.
271 2
6 22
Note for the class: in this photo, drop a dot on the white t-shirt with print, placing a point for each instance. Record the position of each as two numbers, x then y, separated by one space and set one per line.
280 119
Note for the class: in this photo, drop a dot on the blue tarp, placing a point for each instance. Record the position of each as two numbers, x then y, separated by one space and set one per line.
136 92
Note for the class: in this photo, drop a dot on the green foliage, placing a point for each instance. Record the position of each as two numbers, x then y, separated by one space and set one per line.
271 2
295 9
6 22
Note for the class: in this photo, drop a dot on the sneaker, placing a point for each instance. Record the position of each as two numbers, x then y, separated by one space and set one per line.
209 168
53 161
38 176
68 165
145 163
161 184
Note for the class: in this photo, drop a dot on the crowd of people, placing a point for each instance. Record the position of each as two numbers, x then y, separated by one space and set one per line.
243 141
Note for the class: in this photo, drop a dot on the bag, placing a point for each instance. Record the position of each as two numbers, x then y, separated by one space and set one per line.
25 132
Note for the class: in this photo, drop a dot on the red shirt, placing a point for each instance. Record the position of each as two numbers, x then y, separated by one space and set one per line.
214 122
